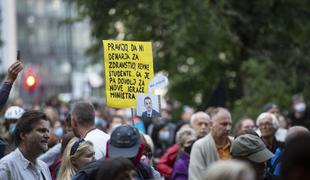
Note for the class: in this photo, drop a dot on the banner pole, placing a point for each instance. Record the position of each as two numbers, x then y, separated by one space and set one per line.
132 116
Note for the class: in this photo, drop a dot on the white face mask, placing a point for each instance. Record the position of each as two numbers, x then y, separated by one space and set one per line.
300 107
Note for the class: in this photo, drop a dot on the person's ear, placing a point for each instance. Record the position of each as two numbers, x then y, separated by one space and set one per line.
73 161
73 122
22 136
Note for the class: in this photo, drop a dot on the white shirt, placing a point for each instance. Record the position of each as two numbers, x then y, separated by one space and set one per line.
99 140
51 155
15 166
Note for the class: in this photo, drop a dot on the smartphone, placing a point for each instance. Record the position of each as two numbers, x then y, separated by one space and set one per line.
18 55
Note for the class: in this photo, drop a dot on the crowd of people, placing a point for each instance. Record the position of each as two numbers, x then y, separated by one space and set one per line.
82 140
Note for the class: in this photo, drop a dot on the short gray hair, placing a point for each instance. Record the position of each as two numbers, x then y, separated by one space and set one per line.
217 111
199 115
275 122
182 133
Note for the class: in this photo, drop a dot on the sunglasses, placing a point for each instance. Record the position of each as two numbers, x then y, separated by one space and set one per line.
76 146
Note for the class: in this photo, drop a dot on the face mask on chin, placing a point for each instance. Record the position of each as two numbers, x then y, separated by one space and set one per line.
188 149
12 128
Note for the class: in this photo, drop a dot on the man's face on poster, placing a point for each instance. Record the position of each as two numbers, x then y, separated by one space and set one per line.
148 104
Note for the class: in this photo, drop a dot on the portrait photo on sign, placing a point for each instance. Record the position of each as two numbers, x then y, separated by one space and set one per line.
148 105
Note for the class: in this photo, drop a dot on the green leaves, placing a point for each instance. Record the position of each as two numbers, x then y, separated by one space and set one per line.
260 48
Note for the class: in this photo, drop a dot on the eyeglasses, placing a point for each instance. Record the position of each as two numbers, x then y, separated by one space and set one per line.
76 146
267 125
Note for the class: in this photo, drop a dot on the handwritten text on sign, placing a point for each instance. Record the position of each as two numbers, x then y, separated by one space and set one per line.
128 70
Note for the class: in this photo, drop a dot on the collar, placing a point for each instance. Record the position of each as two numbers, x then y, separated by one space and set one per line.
226 146
89 131
25 162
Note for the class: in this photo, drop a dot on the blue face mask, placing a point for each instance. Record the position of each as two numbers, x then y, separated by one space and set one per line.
12 128
164 135
58 132
97 121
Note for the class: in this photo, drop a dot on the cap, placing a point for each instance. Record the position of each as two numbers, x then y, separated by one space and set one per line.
250 147
124 142
14 112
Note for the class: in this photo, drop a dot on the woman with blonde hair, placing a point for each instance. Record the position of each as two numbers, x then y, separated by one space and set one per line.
77 154
230 169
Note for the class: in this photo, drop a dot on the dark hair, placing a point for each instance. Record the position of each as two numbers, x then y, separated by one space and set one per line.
65 140
238 125
147 97
296 157
115 169
84 113
26 123
110 121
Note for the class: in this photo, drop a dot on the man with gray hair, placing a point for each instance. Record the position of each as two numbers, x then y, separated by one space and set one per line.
83 126
213 147
268 126
200 122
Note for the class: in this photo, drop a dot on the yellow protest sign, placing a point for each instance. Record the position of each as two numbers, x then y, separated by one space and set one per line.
128 70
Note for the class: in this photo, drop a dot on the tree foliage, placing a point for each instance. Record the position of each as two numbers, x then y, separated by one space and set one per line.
259 48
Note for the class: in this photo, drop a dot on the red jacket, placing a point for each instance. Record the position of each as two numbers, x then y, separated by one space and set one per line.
165 163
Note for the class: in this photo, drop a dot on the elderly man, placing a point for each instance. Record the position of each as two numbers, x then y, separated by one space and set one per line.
213 147
268 126
200 122
31 135
83 126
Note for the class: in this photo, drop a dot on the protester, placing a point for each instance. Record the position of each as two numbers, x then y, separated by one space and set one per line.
55 167
119 168
300 116
165 163
77 154
271 108
51 156
213 147
251 149
115 121
31 136
147 156
162 135
296 158
83 125
5 89
200 122
275 162
268 125
230 170
11 116
185 139
243 125
126 142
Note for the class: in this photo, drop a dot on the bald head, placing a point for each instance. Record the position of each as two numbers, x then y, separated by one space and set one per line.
295 131
200 122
